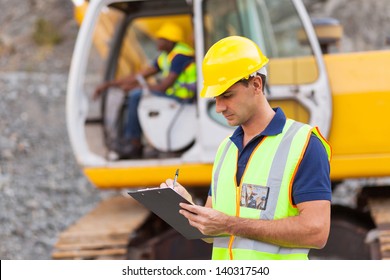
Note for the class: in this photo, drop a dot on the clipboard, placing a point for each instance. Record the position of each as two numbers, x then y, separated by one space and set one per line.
164 202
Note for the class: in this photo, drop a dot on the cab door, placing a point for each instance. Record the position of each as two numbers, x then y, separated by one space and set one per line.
297 79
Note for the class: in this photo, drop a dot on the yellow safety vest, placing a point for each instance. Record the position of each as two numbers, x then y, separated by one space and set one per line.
272 166
185 84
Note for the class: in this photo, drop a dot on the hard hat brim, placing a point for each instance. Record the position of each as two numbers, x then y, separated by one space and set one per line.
215 90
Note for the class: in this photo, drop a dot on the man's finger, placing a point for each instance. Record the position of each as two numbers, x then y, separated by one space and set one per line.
189 207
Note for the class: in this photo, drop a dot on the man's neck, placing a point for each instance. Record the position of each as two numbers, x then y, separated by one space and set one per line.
257 124
168 50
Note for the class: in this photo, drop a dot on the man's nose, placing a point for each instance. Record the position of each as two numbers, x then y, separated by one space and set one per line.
219 105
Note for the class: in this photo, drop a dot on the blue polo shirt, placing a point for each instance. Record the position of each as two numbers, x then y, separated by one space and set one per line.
311 182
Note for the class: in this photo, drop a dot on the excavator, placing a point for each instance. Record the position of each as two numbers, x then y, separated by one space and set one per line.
347 95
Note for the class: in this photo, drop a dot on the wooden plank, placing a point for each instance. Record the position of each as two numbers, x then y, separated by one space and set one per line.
384 239
385 247
114 216
102 233
92 244
85 237
380 211
89 254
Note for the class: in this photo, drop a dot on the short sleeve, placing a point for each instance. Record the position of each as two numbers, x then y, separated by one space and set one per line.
312 181
179 63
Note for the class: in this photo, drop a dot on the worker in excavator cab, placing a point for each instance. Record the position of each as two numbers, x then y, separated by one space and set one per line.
176 64
281 163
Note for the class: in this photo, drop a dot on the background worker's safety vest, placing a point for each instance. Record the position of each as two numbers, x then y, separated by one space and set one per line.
185 84
272 166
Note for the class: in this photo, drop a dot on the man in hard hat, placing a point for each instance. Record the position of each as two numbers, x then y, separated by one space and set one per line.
177 66
284 161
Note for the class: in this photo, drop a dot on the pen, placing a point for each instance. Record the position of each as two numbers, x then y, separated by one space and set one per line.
175 179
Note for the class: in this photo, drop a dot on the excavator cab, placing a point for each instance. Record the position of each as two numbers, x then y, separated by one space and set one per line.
134 39
116 39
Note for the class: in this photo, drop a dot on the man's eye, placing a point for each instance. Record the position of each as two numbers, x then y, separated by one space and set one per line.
228 95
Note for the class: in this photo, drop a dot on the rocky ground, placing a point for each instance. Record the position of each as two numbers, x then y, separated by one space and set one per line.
42 190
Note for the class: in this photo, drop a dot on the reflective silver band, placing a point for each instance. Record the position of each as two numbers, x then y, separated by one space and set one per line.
277 171
218 169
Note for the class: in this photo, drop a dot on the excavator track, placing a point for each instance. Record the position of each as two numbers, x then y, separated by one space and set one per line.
380 211
104 233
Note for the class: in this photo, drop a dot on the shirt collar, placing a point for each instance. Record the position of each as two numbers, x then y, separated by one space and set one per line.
273 128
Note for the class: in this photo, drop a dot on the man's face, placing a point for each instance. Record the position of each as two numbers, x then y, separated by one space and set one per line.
237 103
163 44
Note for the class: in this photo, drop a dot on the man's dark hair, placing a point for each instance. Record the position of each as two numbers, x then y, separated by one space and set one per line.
246 81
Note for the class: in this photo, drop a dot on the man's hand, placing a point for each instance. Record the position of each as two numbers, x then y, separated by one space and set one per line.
126 86
178 188
99 90
209 221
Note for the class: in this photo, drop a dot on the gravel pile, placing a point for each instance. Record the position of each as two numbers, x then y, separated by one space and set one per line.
42 190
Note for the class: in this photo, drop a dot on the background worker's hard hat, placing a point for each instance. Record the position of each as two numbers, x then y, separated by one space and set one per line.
228 61
171 32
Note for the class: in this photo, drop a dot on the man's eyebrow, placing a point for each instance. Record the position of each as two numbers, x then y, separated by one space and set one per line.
227 92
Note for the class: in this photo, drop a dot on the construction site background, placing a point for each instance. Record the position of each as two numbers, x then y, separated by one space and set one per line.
42 188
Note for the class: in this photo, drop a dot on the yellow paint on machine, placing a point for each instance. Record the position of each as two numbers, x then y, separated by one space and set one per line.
194 175
360 89
359 132
362 166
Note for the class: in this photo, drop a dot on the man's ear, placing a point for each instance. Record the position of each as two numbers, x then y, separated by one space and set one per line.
258 84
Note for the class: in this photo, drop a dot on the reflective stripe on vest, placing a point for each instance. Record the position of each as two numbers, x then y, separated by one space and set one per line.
185 84
273 164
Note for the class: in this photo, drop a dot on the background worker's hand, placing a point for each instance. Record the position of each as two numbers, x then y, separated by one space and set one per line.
128 85
99 90
178 188
208 220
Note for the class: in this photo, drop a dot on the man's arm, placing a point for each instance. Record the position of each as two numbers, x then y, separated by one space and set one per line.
209 203
165 83
178 65
310 229
127 83
131 81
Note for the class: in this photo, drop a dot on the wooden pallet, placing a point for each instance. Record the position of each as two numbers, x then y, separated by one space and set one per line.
380 211
103 233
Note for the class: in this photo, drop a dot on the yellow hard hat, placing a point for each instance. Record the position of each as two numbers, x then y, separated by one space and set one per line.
228 61
170 32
